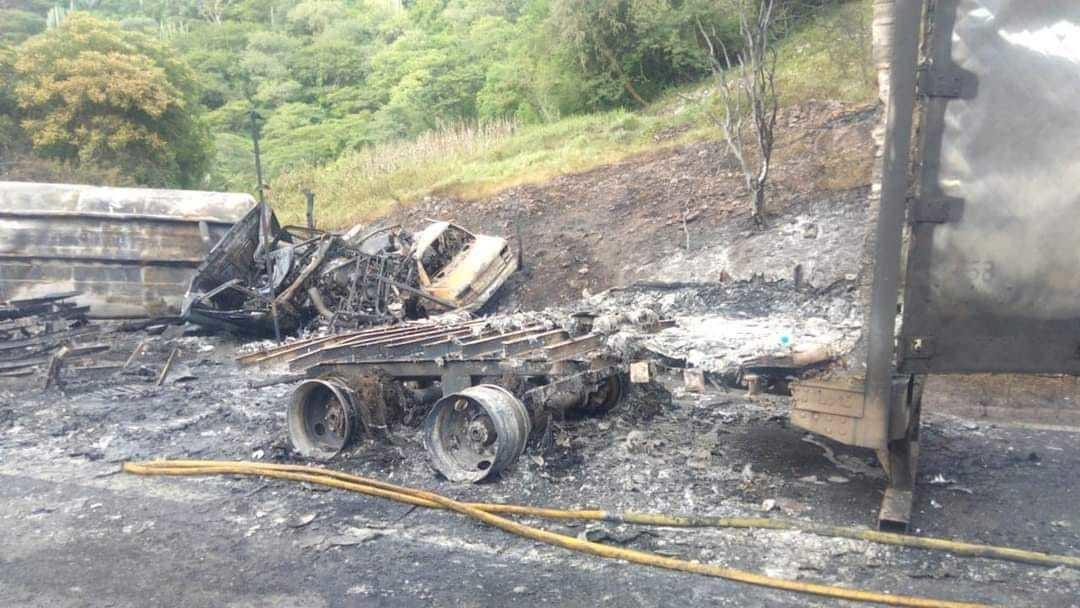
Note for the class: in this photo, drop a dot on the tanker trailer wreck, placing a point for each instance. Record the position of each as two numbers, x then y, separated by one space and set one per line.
127 252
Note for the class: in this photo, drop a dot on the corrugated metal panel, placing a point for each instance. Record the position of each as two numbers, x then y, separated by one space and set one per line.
130 251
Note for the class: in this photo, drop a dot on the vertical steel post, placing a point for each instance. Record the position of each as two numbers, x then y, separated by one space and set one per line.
258 159
310 196
880 363
897 456
264 222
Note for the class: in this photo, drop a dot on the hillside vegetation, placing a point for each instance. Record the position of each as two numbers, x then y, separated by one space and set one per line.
826 56
372 102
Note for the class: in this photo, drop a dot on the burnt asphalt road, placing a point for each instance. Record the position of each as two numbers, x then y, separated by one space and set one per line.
75 532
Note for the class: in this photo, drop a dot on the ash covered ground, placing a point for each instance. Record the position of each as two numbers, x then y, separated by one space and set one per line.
76 532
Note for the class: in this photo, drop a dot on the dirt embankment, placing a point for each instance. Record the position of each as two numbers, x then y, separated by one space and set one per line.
624 222
681 214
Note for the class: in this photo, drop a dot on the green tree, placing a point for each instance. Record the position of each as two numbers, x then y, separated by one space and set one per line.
630 50
145 25
17 25
328 75
268 53
528 78
312 17
93 93
434 72
12 139
234 166
212 51
339 56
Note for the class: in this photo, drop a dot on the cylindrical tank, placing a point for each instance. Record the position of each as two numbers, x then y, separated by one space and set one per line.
130 252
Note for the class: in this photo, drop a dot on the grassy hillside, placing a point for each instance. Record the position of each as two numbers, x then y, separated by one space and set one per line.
828 57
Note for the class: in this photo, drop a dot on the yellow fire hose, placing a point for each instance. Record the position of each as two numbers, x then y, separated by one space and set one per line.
487 513
653 519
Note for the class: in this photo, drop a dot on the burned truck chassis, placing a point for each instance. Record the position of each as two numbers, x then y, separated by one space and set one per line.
492 390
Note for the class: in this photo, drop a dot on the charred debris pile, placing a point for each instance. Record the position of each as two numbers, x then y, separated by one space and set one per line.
375 327
479 391
483 390
265 280
42 333
49 341
258 280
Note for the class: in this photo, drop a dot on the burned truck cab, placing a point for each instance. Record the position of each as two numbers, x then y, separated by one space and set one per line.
459 267
366 276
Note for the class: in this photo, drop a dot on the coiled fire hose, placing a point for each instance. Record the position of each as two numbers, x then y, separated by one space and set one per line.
488 513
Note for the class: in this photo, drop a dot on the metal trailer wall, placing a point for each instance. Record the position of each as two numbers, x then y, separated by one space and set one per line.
993 276
130 252
989 205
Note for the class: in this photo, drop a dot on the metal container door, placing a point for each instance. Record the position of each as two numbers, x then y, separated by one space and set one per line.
993 274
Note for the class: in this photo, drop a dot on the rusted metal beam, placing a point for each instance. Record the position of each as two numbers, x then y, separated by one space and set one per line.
56 362
285 298
354 340
303 346
497 343
370 347
574 347
6 366
521 346
434 370
134 354
49 339
292 347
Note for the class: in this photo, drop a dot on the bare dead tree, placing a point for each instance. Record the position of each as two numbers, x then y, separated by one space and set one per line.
214 10
746 86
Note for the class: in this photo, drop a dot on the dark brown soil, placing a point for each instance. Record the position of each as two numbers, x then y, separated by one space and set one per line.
621 223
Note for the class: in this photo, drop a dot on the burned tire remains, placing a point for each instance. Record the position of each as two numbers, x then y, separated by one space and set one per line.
476 433
608 394
322 418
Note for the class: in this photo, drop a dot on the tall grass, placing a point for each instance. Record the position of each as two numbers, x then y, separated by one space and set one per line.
360 184
829 56
470 161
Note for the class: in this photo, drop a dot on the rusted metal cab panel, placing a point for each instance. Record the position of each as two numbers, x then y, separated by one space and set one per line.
835 407
209 299
460 267
130 252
